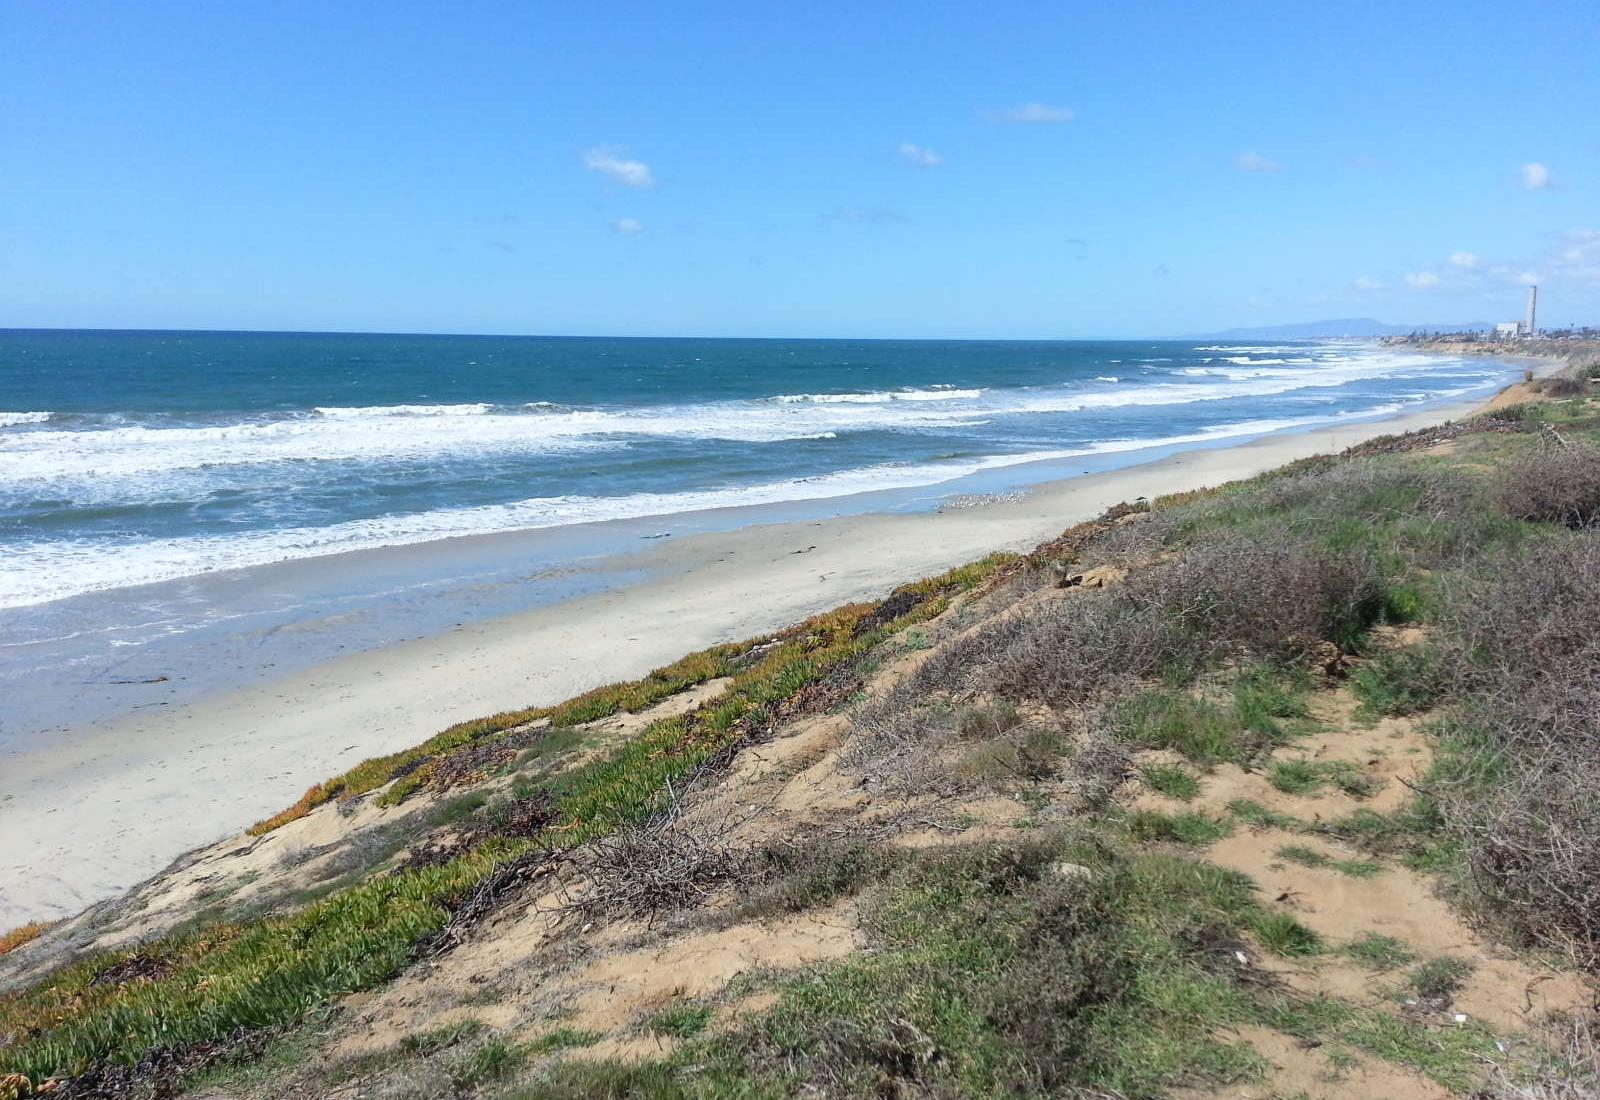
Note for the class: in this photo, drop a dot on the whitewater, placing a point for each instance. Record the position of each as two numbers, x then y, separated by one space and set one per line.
233 451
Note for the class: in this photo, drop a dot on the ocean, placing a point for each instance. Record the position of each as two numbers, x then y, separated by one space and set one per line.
141 472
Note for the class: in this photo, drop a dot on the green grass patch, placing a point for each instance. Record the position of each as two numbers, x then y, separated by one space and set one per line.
1022 981
1310 857
1377 952
1282 934
680 1021
426 1043
1400 681
1186 828
1257 816
1294 776
1259 712
563 1038
1415 835
1452 1056
1302 777
1171 780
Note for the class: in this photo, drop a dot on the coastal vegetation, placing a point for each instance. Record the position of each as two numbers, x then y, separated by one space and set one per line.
1288 783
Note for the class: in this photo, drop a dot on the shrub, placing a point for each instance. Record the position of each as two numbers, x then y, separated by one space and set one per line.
1517 784
1562 386
1554 485
1429 509
1275 597
1441 978
1568 1064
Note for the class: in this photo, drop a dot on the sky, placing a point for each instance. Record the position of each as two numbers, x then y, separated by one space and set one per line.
990 170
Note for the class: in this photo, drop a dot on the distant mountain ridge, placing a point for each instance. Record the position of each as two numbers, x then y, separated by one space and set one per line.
1342 326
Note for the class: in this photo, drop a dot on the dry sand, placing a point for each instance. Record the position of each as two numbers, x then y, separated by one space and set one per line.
108 806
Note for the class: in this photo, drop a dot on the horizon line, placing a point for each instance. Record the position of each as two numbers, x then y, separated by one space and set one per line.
590 336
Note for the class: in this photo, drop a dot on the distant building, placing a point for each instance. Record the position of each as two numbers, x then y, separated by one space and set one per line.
1525 328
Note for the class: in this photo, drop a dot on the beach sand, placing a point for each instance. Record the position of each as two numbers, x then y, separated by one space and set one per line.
106 807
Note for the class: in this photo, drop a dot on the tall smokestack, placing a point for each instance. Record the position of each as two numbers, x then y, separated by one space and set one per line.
1529 322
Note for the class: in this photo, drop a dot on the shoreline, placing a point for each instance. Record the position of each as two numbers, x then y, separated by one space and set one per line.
92 814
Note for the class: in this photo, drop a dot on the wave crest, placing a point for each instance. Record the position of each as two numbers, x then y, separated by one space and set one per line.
357 411
931 393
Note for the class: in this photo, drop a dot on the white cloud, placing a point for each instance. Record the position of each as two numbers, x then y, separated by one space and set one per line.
611 161
1255 162
1024 114
1577 260
1464 260
1421 280
1535 176
627 227
1363 283
920 156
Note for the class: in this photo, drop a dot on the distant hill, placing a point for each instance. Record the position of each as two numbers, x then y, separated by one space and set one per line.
1342 326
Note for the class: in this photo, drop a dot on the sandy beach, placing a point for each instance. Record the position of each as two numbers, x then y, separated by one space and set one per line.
110 805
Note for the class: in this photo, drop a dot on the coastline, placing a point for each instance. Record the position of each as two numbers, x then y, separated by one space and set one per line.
87 817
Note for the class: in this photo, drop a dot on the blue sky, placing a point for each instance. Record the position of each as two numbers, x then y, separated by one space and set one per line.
888 169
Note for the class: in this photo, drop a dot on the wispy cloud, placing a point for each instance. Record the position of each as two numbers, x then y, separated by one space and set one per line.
1577 257
627 227
865 215
1366 284
1255 162
1535 176
1031 114
611 161
1569 267
920 155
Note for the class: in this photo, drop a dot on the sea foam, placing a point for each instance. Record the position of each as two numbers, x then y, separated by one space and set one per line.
59 569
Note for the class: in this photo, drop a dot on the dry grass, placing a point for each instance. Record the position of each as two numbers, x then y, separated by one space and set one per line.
10 941
1570 1072
1554 484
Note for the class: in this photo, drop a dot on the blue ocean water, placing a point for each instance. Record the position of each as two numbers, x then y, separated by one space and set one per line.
134 457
